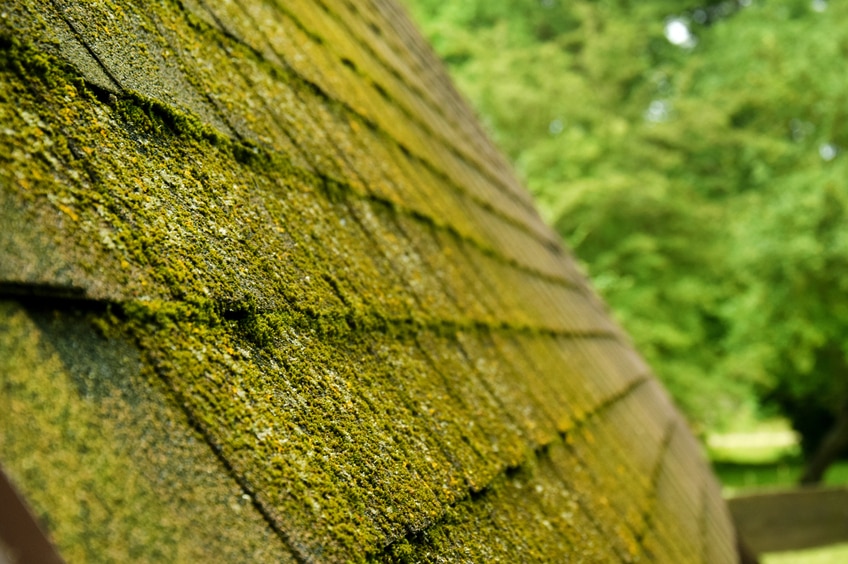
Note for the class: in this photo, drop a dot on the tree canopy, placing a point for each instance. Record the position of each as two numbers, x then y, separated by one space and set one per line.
692 158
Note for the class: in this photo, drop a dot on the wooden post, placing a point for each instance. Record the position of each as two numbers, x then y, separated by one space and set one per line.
22 538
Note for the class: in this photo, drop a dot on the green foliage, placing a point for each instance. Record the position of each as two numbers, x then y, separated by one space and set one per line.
703 185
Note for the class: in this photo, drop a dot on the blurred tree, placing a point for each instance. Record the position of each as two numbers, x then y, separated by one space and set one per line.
776 72
692 158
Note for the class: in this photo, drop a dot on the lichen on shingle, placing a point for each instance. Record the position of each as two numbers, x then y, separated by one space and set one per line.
268 293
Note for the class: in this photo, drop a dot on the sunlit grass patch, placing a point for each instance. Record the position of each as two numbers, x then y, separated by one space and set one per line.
834 554
766 455
758 447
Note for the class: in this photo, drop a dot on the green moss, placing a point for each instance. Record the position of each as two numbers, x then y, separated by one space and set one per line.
321 299
115 472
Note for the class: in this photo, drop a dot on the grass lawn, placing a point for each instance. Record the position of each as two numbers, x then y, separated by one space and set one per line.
834 554
739 477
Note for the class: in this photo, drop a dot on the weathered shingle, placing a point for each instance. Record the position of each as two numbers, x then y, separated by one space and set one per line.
270 294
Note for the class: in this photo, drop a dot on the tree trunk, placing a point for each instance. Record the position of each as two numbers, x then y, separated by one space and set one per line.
833 444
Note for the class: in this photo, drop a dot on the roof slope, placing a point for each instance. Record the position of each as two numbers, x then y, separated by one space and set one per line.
271 294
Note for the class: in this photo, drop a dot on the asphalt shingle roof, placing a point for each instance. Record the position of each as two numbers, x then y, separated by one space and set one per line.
270 294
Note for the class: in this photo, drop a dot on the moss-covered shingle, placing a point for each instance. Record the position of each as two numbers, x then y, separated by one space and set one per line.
269 294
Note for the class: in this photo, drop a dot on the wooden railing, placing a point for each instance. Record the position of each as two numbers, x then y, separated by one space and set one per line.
794 519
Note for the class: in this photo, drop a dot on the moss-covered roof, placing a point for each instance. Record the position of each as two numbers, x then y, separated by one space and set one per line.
270 294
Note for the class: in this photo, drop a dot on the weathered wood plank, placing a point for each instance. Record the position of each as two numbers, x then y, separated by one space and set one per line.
791 520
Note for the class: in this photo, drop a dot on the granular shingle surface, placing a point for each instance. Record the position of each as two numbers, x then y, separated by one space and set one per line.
268 293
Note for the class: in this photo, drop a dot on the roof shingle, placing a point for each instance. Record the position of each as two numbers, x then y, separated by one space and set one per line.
269 294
